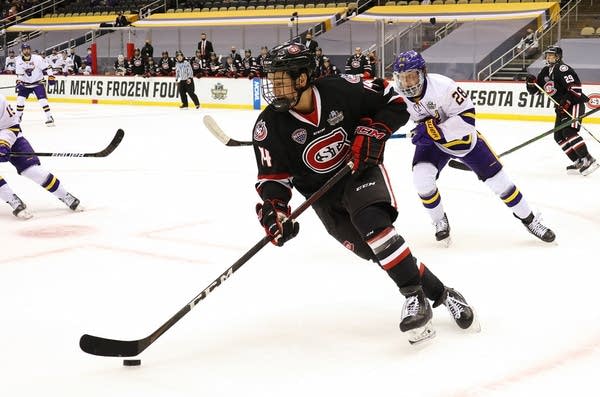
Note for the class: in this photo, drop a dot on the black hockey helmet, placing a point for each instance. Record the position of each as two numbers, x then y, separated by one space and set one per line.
294 59
556 50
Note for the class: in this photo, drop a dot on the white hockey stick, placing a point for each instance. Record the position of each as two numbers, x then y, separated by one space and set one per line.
218 132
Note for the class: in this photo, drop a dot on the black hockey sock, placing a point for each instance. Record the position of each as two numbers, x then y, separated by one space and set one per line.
390 250
432 286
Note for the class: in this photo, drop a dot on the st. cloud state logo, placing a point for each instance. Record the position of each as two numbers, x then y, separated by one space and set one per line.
327 152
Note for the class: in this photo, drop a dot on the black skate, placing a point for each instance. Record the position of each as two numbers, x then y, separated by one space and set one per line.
589 165
416 315
535 227
72 202
573 169
462 313
442 231
50 122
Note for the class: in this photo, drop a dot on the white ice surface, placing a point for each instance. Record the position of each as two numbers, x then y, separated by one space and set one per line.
172 208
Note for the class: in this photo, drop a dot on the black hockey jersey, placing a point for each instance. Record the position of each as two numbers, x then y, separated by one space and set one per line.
561 82
292 151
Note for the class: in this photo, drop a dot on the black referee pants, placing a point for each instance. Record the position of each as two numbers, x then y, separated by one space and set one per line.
186 89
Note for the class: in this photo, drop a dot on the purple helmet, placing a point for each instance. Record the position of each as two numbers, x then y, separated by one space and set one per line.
24 46
406 62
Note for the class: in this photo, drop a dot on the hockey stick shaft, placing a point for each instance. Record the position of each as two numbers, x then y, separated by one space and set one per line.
540 89
7 87
119 348
462 166
103 153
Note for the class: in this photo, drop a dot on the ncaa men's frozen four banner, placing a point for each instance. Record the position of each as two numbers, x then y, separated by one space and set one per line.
492 99
212 92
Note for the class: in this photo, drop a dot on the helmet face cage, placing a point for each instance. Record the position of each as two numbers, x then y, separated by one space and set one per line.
280 89
409 61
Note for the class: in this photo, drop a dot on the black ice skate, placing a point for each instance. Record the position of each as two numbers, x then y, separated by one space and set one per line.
589 165
442 231
50 122
535 227
462 313
573 169
416 315
72 202
19 208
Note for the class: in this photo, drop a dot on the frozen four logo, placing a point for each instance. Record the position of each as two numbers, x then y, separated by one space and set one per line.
299 136
335 117
219 92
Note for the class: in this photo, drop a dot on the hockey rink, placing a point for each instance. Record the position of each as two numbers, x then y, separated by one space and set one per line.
172 208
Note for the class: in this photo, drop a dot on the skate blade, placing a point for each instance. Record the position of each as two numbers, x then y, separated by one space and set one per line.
422 334
24 215
445 242
591 169
475 326
573 172
49 124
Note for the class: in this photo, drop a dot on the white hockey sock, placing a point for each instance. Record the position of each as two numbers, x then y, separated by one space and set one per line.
46 180
46 107
7 195
20 106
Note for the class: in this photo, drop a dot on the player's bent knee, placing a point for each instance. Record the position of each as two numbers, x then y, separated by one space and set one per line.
424 177
499 183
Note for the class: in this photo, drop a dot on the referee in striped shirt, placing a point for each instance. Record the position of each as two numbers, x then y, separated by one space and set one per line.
184 75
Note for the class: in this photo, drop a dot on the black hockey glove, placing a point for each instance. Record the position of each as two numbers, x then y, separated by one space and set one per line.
530 82
368 145
563 107
273 216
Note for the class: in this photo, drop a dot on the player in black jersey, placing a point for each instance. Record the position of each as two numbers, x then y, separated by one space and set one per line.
309 131
561 82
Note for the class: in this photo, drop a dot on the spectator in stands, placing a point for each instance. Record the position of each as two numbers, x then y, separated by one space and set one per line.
248 65
147 51
59 64
264 51
328 68
68 65
311 44
233 69
9 64
205 47
197 63
121 20
166 65
137 64
529 43
152 69
88 57
76 59
214 68
53 57
358 64
319 62
121 66
374 61
236 57
85 69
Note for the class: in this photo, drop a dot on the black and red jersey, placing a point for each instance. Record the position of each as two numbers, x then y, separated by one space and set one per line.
304 151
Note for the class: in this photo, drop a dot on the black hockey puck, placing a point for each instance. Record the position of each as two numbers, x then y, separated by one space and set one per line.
132 363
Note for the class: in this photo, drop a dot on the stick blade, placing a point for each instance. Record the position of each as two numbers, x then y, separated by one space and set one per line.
458 165
214 129
111 347
112 145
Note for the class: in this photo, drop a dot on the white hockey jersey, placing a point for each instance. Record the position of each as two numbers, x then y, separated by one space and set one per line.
453 110
9 131
32 70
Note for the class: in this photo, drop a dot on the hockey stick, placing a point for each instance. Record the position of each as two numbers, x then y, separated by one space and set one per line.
564 111
7 87
214 129
120 348
462 166
103 153
218 132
